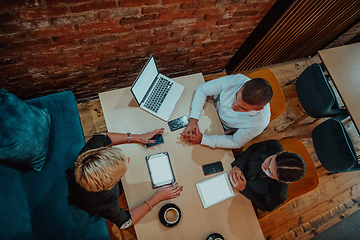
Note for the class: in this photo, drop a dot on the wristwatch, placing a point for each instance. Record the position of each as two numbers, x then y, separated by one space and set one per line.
128 137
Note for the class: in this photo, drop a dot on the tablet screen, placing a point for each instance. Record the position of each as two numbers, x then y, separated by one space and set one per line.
214 190
161 172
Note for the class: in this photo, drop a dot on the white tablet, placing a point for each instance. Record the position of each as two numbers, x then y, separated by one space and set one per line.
160 169
214 190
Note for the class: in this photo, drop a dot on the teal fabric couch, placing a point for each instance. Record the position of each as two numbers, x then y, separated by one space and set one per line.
33 204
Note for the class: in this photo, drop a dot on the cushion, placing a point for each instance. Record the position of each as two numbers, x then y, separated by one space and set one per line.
24 132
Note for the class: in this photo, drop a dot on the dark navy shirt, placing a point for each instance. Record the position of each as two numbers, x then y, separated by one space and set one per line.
105 203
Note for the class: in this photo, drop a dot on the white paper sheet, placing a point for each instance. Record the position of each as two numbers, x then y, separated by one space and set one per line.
160 169
214 190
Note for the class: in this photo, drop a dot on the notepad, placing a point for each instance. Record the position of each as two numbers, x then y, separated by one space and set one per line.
160 169
214 190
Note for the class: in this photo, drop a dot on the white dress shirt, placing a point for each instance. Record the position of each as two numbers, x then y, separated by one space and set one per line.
246 124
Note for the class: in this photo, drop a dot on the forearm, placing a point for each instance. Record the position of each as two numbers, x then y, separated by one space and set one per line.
141 210
197 103
210 88
256 199
237 140
265 203
221 141
164 193
120 138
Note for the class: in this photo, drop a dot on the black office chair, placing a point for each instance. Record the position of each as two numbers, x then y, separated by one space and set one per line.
334 147
316 95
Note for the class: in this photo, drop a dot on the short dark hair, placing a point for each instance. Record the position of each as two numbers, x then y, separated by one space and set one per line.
257 92
290 167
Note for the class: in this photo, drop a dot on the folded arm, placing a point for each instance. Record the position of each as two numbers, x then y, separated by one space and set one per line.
206 89
267 202
237 140
210 88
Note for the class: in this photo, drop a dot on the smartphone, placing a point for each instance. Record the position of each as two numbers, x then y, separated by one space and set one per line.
178 123
158 138
212 168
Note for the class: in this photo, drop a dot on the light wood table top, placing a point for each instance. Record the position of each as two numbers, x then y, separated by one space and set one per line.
234 218
343 64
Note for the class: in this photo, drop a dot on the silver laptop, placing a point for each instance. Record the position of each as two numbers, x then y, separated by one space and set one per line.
155 92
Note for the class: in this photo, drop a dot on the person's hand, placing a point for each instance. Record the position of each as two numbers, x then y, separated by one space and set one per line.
237 178
192 127
164 193
168 192
145 137
192 137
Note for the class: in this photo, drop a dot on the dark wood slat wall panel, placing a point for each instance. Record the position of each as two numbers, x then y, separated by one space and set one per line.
305 28
332 23
296 38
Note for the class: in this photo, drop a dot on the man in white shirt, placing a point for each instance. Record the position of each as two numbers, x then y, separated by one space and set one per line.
243 108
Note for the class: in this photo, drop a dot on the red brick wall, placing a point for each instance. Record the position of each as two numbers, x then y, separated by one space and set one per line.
90 46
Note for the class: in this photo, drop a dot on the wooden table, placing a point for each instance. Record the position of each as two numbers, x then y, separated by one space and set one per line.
233 218
343 64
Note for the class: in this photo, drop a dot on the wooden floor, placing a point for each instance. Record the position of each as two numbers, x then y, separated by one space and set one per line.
336 197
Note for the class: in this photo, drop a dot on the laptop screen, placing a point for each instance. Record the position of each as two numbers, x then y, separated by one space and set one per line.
144 80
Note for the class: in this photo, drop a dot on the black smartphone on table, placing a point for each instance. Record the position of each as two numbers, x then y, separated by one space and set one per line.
212 168
158 138
178 123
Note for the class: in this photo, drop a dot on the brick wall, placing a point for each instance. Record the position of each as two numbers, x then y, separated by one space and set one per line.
90 46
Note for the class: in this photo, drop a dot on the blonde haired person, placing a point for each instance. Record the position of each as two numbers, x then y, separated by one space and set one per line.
95 182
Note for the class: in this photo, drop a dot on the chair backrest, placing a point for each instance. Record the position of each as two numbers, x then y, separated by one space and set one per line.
334 147
311 179
277 103
315 93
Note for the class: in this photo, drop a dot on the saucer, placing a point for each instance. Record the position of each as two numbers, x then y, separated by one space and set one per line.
214 236
162 212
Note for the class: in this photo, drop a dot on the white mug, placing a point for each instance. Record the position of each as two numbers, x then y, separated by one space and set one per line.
171 215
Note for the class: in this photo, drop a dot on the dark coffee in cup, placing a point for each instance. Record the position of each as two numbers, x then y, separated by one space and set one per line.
171 215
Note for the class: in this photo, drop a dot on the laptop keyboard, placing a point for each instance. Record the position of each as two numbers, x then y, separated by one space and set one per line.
158 94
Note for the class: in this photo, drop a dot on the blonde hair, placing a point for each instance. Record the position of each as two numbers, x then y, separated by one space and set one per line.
100 169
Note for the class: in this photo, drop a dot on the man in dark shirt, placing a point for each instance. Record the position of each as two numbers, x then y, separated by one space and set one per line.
263 172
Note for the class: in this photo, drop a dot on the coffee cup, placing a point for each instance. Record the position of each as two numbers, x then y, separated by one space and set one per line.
171 215
215 236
